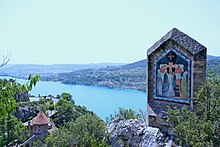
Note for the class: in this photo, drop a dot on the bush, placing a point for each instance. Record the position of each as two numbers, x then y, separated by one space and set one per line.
200 127
125 113
87 131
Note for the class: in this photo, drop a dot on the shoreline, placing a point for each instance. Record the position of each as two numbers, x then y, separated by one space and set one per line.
103 86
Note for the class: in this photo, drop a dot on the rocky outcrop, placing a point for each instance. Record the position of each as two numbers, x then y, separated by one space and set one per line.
27 110
22 97
135 133
25 113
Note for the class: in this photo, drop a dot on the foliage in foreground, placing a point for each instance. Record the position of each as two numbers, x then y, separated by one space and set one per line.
12 131
200 127
86 130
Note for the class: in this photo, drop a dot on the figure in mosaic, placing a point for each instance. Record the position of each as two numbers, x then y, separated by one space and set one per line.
172 77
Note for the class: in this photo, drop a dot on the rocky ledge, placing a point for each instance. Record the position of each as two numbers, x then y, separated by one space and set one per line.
135 133
25 113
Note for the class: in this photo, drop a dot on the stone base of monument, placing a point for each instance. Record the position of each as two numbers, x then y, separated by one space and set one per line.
157 111
160 123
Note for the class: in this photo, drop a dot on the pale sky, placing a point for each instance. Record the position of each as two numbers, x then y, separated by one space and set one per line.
97 31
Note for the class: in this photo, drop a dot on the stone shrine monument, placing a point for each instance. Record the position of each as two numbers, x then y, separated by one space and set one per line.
176 67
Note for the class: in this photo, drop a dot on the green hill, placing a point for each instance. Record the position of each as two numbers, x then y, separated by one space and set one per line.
130 76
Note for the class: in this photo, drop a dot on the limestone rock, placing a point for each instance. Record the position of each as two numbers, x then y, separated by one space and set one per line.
135 133
25 113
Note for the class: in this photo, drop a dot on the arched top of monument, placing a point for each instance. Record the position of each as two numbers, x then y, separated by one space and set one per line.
180 38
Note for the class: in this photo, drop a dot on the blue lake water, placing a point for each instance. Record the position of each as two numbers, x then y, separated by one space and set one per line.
102 101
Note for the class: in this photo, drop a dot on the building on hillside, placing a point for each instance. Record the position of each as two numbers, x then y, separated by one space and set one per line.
40 125
38 128
176 67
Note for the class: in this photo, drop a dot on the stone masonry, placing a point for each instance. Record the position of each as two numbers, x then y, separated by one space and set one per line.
193 51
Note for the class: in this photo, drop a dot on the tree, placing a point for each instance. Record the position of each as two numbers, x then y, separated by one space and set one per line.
5 60
65 112
66 96
126 113
58 96
12 131
60 138
38 143
51 107
201 126
8 89
87 130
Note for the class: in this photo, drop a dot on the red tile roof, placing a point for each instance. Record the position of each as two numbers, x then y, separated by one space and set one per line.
40 119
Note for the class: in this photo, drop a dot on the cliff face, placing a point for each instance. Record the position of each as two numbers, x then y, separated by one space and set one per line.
22 97
135 133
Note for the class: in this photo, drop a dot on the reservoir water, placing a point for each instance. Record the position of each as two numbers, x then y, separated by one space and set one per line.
102 101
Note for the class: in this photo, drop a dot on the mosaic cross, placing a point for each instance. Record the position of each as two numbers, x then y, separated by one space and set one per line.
170 56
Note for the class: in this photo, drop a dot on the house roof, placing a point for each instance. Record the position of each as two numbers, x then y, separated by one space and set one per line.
40 119
180 38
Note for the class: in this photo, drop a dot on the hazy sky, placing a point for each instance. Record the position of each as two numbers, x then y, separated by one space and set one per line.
93 31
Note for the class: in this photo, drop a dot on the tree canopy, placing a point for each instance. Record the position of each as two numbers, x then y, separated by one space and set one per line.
200 126
12 131
86 130
67 110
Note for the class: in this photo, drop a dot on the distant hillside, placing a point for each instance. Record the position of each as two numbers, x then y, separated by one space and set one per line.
23 70
213 62
129 76
140 64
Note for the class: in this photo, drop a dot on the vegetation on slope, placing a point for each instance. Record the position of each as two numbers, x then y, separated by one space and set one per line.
67 111
86 130
107 77
130 76
200 127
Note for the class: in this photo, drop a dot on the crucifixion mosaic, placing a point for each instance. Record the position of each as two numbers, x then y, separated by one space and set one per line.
172 77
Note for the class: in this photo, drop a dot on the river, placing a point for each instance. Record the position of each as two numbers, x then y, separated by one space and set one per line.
100 100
